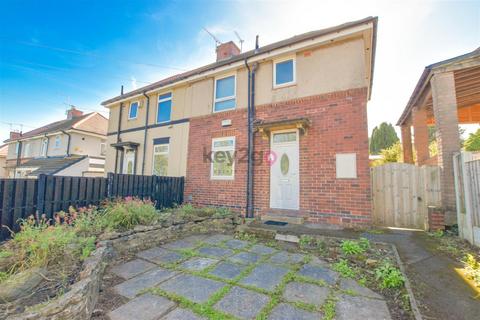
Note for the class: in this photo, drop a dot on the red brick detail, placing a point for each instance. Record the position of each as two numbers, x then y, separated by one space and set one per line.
338 125
436 219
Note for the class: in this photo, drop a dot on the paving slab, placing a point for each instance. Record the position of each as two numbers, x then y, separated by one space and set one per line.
196 238
319 273
227 270
360 308
182 314
352 285
245 258
236 244
194 288
132 268
160 255
151 278
180 244
265 276
261 249
306 293
284 257
217 238
285 311
215 252
198 263
242 303
145 307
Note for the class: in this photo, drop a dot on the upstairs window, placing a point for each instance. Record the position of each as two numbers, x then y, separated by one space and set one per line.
26 152
164 109
223 161
284 72
132 113
224 94
43 147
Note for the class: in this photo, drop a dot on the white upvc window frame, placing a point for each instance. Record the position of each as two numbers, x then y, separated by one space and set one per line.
160 153
163 100
216 149
130 109
27 150
215 100
280 60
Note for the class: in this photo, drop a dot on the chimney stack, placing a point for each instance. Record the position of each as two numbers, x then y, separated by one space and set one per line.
227 50
73 113
15 135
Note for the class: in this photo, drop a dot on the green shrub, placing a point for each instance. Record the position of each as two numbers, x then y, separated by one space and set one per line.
222 212
38 245
364 243
344 269
350 247
186 209
126 214
389 276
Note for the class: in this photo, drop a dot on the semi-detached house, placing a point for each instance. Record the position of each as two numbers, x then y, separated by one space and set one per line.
304 100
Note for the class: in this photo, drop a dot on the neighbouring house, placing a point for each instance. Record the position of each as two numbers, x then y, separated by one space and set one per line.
446 95
3 160
71 147
279 131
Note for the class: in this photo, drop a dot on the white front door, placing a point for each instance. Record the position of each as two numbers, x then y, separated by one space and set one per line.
284 170
129 161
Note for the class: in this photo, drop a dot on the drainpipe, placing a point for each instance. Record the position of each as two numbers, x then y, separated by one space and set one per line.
118 130
250 145
145 134
68 142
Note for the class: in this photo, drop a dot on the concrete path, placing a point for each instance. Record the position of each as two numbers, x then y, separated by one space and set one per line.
218 276
439 290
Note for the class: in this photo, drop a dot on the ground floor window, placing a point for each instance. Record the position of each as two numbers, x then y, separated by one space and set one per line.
129 162
222 157
160 159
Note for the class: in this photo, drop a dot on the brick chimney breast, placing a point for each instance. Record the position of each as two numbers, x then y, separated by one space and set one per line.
73 113
227 50
15 135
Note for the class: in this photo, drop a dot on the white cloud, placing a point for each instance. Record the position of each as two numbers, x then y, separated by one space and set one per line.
133 82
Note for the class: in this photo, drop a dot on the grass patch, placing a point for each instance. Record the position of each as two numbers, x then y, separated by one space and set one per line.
328 308
352 247
344 269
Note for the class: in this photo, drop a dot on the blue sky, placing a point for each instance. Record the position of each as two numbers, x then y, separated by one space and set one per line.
55 53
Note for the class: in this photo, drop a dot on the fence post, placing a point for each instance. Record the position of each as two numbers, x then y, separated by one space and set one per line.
42 183
109 185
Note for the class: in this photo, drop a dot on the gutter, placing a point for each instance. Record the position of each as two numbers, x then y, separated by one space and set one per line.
145 133
68 142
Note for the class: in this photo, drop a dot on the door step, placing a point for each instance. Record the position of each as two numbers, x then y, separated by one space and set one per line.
288 216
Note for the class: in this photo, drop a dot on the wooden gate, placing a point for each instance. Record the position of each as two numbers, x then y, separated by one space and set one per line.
402 192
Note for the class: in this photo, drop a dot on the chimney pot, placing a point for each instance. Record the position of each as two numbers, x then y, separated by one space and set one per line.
227 50
73 113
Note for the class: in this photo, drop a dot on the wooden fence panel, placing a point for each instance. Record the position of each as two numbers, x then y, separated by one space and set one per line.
20 198
402 192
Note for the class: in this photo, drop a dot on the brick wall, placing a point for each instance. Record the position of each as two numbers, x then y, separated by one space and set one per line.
338 125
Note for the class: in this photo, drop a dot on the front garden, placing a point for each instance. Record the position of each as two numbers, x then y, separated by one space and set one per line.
55 269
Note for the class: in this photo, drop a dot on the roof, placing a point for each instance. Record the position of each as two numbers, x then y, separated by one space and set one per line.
249 54
50 165
425 77
91 122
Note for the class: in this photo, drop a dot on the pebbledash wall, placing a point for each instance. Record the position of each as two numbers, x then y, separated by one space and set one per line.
338 125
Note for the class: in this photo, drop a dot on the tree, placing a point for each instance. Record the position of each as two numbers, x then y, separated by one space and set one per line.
391 154
473 142
383 137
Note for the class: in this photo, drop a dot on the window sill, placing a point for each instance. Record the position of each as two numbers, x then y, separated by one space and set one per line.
284 85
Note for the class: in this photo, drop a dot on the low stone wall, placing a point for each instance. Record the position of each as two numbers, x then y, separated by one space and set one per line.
78 303
147 236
